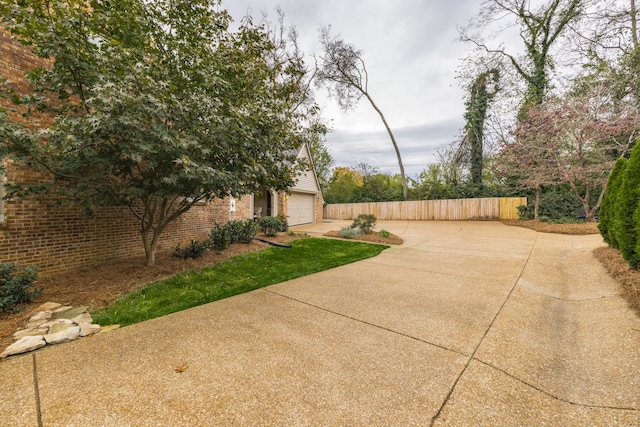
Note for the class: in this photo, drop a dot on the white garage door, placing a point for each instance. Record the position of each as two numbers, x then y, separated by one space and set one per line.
301 208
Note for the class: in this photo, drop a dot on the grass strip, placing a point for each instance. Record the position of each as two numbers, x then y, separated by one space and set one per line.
234 276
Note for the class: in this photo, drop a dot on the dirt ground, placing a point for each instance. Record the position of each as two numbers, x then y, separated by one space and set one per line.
102 284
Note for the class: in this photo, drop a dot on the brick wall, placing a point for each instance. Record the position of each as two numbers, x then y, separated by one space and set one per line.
61 239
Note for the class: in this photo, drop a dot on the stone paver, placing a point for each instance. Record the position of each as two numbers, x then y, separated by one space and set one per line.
467 323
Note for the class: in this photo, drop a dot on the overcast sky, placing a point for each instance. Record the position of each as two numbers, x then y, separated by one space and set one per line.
412 55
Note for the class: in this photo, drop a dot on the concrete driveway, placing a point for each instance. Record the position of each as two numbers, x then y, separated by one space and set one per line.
466 324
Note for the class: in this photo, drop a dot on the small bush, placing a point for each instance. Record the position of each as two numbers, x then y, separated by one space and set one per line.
364 222
270 225
219 237
242 231
194 250
15 287
285 223
351 233
384 234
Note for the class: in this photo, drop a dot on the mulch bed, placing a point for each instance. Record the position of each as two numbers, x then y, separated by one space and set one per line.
627 277
545 227
371 238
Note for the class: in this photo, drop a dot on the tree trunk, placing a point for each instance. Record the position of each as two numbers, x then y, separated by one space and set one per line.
150 246
591 215
395 146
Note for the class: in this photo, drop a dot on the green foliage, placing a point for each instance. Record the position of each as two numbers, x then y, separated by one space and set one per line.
15 287
626 209
154 101
342 185
270 225
557 204
285 223
193 250
351 233
320 155
219 237
480 97
384 234
242 231
364 223
237 231
237 275
607 222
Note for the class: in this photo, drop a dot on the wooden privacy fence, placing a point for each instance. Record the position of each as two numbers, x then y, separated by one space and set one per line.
493 208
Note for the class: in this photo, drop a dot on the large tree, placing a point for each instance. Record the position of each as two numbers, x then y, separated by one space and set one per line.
574 140
155 106
343 70
609 39
343 184
481 93
540 28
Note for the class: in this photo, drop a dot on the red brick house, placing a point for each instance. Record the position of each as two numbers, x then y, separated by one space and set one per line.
60 239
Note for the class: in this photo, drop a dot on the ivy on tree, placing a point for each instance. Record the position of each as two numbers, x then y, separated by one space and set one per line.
540 29
155 106
482 92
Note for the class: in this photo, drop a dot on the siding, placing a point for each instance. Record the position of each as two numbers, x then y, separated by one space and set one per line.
307 181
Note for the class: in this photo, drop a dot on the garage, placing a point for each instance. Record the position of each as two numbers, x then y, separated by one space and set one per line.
301 208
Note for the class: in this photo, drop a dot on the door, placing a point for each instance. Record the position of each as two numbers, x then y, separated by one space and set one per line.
301 208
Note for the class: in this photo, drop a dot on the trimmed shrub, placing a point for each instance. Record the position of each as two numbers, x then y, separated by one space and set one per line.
219 237
15 287
607 219
384 234
194 250
242 231
285 223
365 223
270 225
351 233
626 206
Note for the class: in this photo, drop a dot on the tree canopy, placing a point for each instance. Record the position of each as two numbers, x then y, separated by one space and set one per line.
540 28
155 106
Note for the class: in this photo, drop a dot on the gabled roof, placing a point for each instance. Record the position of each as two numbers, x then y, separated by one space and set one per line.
308 180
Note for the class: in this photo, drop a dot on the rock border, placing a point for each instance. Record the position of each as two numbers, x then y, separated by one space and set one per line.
52 324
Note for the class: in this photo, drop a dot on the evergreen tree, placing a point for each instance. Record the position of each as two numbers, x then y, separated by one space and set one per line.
607 220
626 215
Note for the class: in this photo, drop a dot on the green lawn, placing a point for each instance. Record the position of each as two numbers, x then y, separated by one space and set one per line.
234 276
